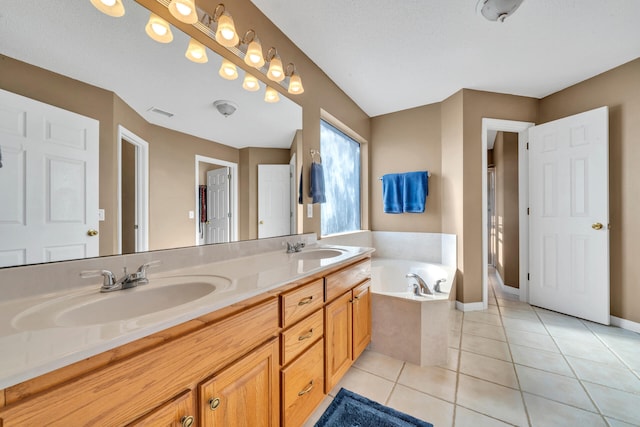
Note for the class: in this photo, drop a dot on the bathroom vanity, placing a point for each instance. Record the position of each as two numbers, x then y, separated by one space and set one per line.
260 350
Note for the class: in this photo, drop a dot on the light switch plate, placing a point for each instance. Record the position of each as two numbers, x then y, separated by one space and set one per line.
100 214
309 210
192 214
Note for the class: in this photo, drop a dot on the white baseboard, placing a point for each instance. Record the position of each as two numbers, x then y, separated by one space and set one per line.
508 289
470 306
625 324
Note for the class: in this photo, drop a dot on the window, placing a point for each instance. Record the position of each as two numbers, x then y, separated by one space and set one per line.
341 165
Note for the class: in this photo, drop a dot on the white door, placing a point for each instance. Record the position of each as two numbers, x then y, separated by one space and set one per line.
274 205
48 182
569 216
218 214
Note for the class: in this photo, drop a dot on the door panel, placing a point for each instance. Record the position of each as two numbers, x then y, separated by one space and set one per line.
274 205
218 219
569 196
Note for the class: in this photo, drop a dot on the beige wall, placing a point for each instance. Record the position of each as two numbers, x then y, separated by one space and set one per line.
619 89
407 141
505 153
250 158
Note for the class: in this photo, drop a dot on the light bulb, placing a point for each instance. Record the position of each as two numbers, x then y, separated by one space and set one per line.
113 8
196 52
228 70
254 56
184 11
250 83
158 29
295 84
226 32
271 95
275 73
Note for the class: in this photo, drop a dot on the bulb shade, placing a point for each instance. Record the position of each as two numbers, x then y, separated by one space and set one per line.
196 52
113 8
250 83
226 32
254 57
228 70
158 29
275 73
295 84
184 11
271 95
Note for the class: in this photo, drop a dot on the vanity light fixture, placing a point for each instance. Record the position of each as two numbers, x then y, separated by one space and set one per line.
184 11
113 8
275 72
226 34
158 29
250 83
295 82
271 95
254 56
228 70
196 52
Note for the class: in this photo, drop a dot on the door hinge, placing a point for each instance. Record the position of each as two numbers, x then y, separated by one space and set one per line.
527 145
229 215
528 211
528 276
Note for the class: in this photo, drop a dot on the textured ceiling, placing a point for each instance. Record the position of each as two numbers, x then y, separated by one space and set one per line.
72 38
393 55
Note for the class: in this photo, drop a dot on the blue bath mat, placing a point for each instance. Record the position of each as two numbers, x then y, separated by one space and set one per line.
349 409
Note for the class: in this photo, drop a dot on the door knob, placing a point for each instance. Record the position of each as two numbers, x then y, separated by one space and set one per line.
92 232
596 226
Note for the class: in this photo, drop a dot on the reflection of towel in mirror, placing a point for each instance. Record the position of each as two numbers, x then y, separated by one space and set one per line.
392 192
316 183
414 191
300 193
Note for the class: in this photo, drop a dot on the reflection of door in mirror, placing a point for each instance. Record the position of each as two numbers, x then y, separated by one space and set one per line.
48 183
129 223
218 214
274 200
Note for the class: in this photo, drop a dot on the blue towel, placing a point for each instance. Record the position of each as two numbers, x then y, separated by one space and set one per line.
415 189
392 192
316 183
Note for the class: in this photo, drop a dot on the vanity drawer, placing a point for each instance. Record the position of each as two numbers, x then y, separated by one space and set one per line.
300 302
341 281
303 386
299 337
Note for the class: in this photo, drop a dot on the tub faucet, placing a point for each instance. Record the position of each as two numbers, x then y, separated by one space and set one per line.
436 287
420 288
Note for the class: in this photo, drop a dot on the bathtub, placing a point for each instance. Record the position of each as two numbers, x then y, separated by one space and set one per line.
405 326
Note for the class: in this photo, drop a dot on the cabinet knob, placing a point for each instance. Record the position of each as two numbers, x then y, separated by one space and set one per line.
214 403
187 421
306 390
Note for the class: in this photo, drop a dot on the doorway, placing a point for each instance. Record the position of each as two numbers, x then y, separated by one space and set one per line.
133 192
521 128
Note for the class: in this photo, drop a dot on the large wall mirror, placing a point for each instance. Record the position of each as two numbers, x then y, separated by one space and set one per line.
161 142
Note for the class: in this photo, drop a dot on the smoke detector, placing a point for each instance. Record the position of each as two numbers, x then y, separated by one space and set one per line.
226 108
497 10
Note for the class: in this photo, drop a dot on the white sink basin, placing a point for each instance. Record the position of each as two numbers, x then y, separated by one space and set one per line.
315 254
93 307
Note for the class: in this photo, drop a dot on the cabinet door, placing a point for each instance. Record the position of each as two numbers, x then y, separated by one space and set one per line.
361 318
177 412
338 328
245 393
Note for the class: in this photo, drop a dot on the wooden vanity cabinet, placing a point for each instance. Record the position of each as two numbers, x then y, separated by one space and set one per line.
178 412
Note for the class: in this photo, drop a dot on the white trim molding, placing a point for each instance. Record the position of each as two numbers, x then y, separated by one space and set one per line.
625 324
470 306
506 288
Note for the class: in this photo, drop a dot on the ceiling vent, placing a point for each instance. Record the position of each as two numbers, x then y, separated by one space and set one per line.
161 112
226 108
497 10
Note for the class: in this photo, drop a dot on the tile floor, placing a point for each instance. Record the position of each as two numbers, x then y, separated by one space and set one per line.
512 364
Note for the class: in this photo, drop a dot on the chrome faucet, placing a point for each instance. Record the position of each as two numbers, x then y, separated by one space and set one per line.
294 247
110 283
436 287
420 288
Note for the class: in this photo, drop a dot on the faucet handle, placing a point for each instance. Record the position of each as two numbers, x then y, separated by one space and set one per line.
143 268
109 277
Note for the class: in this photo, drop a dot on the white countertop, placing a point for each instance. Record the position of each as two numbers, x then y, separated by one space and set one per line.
30 349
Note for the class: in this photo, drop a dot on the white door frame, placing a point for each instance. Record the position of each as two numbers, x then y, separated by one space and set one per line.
142 189
294 194
523 199
233 194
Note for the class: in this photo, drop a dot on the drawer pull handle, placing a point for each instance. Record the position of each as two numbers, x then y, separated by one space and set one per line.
187 421
306 390
306 336
305 301
214 403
